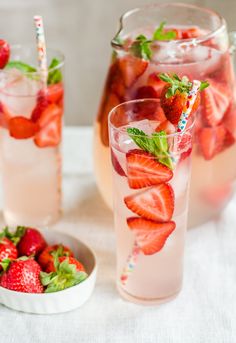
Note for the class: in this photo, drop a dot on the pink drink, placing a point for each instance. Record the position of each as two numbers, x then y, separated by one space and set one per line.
201 51
31 120
150 212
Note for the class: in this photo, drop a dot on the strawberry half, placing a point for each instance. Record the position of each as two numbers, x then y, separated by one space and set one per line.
4 53
211 140
144 170
215 103
131 68
116 164
22 128
53 93
155 203
50 134
150 236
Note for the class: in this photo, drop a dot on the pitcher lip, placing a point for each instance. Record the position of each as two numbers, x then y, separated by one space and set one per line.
198 40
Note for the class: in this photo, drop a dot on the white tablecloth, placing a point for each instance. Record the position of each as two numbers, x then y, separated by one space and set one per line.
205 310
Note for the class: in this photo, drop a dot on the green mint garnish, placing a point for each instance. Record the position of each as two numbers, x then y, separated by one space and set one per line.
156 144
23 67
160 34
141 47
55 75
182 85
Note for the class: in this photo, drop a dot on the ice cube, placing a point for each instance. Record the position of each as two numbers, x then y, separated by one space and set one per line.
19 92
180 179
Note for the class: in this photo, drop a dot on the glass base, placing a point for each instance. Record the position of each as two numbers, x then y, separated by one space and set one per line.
146 301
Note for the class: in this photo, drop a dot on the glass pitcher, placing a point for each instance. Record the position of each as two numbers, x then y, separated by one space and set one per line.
194 42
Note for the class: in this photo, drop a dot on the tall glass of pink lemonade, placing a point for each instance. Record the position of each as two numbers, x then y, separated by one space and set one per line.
151 174
31 131
186 40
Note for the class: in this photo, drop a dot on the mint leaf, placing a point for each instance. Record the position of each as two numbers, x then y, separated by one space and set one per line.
204 84
160 34
23 67
157 144
54 76
141 47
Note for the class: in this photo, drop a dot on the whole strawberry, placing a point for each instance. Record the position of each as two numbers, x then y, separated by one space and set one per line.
174 96
23 275
32 242
46 257
7 247
68 272
4 53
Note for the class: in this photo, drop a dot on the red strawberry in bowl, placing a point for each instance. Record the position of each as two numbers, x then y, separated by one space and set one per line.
46 257
151 236
155 203
32 242
23 275
7 248
4 53
144 170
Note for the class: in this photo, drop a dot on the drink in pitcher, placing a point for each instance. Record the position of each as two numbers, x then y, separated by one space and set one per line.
31 128
146 46
151 172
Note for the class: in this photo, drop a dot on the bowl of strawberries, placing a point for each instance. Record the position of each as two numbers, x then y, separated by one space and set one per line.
44 272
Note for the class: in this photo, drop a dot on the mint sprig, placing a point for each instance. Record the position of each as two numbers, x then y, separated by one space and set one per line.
21 66
160 34
181 85
156 144
54 76
141 47
65 276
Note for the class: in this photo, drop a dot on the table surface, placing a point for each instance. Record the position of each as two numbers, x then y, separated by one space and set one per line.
205 310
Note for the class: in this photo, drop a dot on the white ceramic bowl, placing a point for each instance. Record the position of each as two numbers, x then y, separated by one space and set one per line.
62 301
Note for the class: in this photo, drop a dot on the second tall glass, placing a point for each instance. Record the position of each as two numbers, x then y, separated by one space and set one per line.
31 128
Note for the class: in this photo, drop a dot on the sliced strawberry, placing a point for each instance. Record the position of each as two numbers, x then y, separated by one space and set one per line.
143 170
49 113
4 116
167 127
50 134
53 93
215 103
41 105
150 236
22 128
154 81
4 53
132 68
211 140
155 203
145 92
192 32
116 164
109 102
229 139
115 81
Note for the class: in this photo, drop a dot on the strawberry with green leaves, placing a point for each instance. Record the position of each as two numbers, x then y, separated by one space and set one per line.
22 275
31 241
46 257
68 272
8 248
174 96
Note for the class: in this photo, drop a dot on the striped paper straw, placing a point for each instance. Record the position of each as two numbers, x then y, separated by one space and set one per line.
130 263
189 105
41 47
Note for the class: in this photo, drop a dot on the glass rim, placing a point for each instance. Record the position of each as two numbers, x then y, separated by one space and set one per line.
188 41
171 135
37 72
